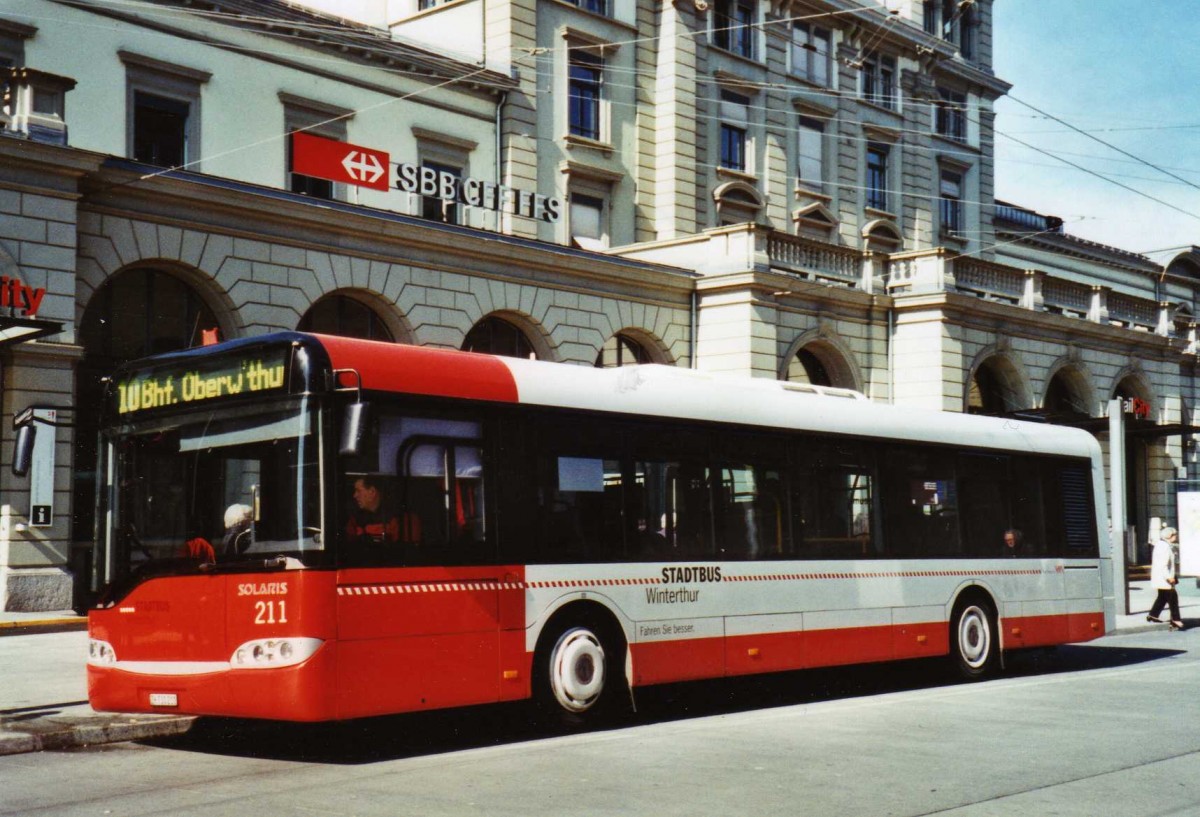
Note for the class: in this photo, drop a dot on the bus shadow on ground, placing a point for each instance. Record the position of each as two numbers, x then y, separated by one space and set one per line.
396 737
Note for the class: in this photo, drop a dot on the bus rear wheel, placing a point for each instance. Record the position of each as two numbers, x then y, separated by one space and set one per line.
973 640
580 678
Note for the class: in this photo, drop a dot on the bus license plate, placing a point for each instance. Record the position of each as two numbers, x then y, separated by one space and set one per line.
164 699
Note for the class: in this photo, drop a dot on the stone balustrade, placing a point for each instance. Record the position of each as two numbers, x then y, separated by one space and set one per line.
940 271
816 260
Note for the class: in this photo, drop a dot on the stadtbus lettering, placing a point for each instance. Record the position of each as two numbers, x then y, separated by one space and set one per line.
683 575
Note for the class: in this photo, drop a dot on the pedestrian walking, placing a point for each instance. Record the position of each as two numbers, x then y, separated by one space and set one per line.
1162 577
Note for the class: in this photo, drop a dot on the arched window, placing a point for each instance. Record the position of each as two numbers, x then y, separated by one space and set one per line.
622 350
344 316
135 313
496 336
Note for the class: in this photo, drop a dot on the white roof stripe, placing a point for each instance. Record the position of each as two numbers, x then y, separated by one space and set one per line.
669 391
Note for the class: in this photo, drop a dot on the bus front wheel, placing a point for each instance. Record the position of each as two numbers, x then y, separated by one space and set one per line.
973 639
580 673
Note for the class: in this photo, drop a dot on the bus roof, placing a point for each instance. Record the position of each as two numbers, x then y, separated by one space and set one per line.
669 391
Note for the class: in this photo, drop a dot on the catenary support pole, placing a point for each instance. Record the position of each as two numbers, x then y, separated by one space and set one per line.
1116 486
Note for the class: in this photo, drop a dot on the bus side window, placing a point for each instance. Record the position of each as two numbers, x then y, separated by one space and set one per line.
835 508
441 491
920 502
580 508
985 488
677 500
749 514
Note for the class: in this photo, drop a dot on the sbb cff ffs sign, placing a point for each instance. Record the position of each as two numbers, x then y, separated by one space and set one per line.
366 167
339 161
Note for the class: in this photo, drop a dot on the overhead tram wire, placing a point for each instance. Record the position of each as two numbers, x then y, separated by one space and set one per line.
1102 177
150 10
280 137
1108 145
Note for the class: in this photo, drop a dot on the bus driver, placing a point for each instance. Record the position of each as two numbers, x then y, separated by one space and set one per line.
371 524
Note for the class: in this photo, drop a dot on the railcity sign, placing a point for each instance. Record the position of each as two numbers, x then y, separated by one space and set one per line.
366 167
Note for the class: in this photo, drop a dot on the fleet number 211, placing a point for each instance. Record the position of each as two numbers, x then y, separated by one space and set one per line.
270 612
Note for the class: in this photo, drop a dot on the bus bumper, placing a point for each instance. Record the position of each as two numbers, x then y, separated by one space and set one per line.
303 692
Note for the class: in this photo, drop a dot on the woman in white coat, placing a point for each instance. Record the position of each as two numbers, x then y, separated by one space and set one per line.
1162 577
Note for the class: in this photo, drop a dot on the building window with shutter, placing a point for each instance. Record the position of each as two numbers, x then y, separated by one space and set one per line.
588 221
812 50
810 169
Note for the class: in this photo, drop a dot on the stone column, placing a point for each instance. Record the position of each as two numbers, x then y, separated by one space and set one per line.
676 126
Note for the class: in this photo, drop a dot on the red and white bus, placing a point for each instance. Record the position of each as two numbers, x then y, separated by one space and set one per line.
557 532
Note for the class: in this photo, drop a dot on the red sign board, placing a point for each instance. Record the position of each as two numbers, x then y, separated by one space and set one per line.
339 161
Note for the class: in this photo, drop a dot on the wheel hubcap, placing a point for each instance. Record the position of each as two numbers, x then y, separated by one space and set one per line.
577 670
974 637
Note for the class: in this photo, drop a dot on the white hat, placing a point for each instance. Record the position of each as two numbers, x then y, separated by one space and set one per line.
236 513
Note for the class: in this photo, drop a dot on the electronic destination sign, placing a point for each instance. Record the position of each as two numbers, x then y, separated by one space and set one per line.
256 372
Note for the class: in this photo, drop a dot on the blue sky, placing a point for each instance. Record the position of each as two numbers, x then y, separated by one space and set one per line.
1127 71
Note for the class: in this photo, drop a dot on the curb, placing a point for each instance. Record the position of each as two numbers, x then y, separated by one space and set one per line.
42 625
98 730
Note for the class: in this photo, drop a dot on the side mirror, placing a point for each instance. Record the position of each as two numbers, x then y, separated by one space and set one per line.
355 423
23 450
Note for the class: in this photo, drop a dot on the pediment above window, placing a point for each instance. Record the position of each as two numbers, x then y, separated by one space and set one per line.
882 235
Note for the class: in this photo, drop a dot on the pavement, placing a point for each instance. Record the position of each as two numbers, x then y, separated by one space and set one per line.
43 683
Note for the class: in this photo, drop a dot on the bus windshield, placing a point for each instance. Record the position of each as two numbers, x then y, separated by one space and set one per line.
225 487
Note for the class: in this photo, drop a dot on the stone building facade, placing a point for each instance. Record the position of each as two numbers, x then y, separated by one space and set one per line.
800 190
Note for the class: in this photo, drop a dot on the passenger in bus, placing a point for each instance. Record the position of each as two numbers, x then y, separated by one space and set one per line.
371 523
1012 542
239 521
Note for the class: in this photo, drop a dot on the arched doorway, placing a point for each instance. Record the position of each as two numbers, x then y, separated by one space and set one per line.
135 313
342 315
496 336
821 363
806 367
622 349
995 388
1067 396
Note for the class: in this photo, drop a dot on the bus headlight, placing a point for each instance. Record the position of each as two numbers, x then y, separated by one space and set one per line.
270 653
101 653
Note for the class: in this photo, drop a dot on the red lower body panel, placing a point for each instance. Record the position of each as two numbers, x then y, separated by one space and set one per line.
299 693
659 662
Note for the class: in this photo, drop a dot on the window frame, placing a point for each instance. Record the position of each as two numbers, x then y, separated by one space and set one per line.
579 60
588 197
950 115
877 187
807 48
177 83
951 210
600 7
878 80
319 119
733 132
734 25
815 127
451 154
